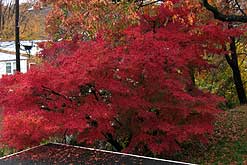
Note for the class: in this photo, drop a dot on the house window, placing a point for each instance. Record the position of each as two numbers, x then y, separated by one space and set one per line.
14 67
8 68
31 65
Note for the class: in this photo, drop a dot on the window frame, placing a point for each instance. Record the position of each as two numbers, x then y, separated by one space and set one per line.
8 67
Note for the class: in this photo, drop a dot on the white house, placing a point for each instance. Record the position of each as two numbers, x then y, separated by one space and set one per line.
8 59
8 64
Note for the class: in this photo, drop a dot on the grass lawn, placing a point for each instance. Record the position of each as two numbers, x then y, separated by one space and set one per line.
228 144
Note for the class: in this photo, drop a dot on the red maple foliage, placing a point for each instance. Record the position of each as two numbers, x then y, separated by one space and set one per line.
142 87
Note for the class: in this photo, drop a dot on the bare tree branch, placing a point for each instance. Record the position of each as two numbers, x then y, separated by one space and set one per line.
239 7
142 3
226 18
56 93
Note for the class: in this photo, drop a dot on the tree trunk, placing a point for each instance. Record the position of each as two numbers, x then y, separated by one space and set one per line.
233 62
192 76
113 142
239 85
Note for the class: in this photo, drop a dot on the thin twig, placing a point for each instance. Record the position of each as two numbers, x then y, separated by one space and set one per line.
239 7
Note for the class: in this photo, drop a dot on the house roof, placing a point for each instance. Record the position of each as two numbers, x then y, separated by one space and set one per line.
56 153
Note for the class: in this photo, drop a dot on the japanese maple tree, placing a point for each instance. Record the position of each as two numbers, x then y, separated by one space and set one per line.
140 90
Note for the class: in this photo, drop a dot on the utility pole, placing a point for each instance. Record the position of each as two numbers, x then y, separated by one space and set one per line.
17 36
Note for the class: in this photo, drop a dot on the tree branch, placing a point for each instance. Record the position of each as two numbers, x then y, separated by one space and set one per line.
55 93
142 4
112 141
222 17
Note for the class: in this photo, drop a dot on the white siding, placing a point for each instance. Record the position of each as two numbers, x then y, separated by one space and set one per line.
10 58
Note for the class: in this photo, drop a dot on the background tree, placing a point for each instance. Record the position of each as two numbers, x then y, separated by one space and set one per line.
6 14
88 17
32 24
232 11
